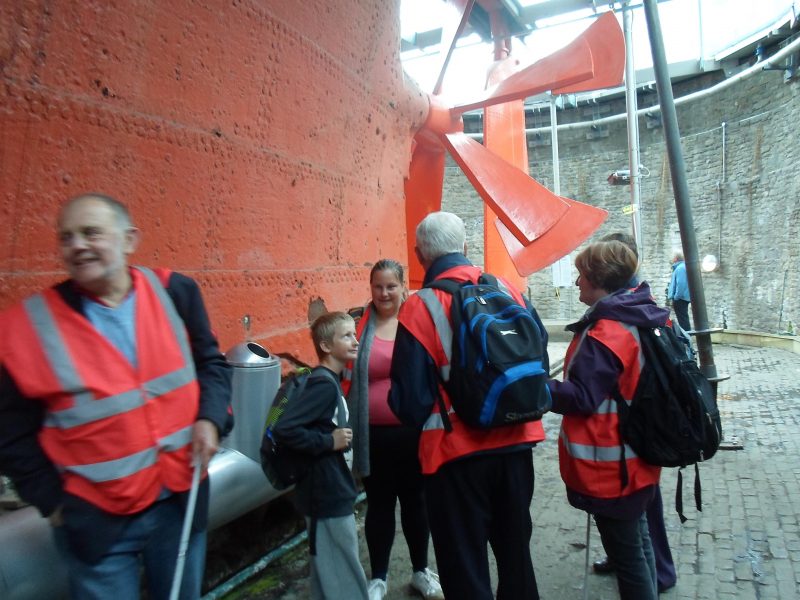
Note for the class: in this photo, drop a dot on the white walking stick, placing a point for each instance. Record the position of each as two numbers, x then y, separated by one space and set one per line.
586 570
186 532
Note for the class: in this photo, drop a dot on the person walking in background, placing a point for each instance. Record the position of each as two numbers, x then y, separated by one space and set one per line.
326 494
129 390
665 566
478 483
678 291
602 358
385 450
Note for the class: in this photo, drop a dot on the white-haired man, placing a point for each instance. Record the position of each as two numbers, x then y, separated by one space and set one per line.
478 483
678 291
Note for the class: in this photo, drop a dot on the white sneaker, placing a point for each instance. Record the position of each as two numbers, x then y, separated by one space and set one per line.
427 584
376 589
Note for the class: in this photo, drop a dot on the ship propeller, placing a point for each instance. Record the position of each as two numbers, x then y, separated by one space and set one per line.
536 226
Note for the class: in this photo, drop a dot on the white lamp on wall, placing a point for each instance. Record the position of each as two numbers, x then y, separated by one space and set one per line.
709 263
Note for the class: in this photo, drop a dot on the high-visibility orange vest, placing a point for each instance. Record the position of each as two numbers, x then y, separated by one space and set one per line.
117 434
426 315
590 447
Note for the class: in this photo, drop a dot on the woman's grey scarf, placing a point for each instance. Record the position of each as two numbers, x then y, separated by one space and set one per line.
358 397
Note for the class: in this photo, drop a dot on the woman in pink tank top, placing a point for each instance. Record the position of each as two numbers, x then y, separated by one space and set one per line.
385 451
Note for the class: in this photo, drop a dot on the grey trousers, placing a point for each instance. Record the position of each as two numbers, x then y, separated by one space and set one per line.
336 570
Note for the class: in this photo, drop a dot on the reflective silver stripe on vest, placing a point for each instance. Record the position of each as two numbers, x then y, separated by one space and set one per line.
607 407
176 440
94 410
434 421
128 465
55 350
170 381
115 469
595 453
574 352
172 314
635 333
504 288
442 325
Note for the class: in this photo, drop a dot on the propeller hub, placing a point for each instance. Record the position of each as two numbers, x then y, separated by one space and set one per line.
441 119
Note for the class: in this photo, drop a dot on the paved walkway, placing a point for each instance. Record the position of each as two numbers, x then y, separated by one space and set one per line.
744 545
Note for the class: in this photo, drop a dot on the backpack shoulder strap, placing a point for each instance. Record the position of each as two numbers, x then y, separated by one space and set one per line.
499 284
451 286
323 373
489 279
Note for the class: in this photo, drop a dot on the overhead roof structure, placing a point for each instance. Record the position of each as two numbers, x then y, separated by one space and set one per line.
699 35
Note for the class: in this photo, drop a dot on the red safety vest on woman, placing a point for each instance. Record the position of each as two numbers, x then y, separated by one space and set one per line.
589 448
426 315
119 435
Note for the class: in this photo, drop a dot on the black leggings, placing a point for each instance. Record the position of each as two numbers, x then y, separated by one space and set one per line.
395 473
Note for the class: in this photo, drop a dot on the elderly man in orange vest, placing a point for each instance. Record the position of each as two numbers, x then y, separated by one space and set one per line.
111 387
478 482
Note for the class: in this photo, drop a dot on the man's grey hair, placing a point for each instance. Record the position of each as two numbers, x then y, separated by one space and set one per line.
440 233
121 213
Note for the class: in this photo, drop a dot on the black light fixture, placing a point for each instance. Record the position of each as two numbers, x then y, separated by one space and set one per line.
620 177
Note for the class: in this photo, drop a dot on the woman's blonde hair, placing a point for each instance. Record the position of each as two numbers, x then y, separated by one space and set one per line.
607 265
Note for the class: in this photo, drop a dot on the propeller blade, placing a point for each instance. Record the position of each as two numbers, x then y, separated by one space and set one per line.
607 44
457 19
423 189
526 208
564 67
578 224
504 136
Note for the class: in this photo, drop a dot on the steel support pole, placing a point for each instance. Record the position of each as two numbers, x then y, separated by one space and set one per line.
681 188
554 144
633 126
565 262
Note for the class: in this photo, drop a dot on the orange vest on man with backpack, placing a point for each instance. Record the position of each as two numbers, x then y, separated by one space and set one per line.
437 446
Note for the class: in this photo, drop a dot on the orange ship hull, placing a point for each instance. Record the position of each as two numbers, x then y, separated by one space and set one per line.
261 147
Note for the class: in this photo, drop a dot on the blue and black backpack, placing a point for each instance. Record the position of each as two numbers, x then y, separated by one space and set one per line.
498 364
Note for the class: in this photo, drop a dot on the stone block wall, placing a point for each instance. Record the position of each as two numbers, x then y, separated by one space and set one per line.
741 151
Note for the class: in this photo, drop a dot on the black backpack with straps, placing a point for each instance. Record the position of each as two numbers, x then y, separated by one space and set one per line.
672 419
498 366
284 466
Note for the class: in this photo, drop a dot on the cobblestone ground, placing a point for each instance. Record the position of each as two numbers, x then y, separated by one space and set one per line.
745 544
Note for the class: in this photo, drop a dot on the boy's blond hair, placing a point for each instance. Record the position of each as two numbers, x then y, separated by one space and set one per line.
324 328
